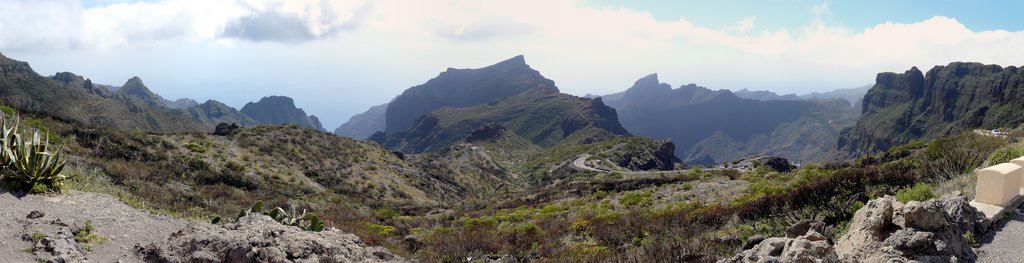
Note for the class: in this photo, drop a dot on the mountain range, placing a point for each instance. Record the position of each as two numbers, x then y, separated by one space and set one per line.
131 106
715 126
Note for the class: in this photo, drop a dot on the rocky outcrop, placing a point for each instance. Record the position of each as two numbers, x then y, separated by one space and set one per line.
361 126
280 110
645 155
488 132
945 100
257 238
808 247
460 88
885 230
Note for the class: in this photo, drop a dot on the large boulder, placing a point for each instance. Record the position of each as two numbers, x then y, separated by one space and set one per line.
258 238
886 230
810 247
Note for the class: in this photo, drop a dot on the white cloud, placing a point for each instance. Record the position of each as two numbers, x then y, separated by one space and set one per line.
744 25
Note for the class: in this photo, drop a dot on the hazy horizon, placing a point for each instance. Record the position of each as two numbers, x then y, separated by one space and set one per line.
337 58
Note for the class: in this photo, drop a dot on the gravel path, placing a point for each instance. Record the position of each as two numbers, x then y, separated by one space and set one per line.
1005 242
124 225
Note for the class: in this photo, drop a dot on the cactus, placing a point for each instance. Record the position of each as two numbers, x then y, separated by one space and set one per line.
305 221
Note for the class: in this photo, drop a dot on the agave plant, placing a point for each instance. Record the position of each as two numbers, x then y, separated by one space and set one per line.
34 162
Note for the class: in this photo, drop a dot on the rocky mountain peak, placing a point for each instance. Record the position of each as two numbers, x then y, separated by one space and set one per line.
280 110
461 88
136 87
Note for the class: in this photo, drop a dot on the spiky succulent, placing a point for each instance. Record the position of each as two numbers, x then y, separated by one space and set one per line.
29 162
305 221
34 162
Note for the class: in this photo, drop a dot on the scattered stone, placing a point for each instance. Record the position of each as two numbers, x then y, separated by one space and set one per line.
35 214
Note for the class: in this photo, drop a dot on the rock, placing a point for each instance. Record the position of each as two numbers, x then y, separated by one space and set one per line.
810 247
801 228
928 216
932 231
224 129
60 247
753 241
257 238
35 214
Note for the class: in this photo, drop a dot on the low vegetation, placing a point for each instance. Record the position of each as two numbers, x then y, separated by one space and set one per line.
87 238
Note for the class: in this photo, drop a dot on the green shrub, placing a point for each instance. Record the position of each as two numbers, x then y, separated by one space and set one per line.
87 238
969 236
687 186
384 230
195 147
918 192
36 236
634 198
1005 154
8 110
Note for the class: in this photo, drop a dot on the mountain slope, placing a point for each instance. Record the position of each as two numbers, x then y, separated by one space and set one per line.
710 127
24 89
280 110
510 94
764 95
463 88
945 100
362 125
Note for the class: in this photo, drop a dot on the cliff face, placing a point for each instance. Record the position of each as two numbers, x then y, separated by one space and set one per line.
464 88
945 100
280 110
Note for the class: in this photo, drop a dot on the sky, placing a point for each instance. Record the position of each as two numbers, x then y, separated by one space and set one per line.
337 58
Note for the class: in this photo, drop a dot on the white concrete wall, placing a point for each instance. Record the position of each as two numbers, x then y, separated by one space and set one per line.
999 184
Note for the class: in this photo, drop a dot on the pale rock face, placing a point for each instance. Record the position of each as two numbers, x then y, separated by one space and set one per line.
932 231
884 230
810 247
